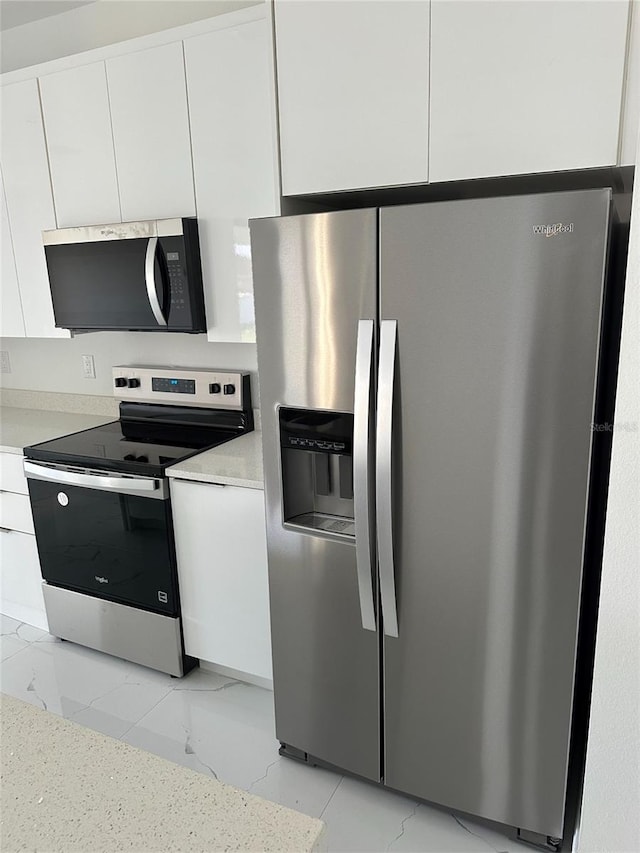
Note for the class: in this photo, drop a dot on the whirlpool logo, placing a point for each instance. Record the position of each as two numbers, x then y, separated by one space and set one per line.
553 230
101 580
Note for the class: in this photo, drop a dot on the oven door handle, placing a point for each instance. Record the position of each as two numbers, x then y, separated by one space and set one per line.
92 481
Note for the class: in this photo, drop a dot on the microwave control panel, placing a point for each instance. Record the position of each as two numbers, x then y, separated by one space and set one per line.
218 389
176 280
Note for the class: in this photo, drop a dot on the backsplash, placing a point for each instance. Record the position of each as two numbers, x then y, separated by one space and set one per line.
51 365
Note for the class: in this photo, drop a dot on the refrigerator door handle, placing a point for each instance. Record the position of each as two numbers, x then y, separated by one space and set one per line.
384 482
361 459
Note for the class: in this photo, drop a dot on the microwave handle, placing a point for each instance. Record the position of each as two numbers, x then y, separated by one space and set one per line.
150 280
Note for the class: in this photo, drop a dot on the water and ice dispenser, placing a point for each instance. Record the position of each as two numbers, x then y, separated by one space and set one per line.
317 470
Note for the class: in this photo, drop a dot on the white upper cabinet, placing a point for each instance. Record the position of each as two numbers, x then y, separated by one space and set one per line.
520 87
353 89
11 319
27 187
631 110
151 133
232 110
75 105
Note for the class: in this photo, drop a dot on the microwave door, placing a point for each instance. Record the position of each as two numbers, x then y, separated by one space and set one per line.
103 285
155 276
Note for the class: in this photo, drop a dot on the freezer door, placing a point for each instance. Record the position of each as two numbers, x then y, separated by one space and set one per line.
315 280
498 306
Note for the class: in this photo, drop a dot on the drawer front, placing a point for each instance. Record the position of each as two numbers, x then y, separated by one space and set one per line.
15 512
20 573
12 477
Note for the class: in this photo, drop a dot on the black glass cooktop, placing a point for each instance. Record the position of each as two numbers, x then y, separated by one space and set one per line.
146 440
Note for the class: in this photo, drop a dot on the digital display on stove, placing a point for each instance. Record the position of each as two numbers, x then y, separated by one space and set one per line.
177 386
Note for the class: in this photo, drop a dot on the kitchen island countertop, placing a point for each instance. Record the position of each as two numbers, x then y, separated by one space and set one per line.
235 463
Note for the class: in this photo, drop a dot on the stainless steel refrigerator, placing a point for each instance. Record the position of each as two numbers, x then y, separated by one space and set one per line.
427 383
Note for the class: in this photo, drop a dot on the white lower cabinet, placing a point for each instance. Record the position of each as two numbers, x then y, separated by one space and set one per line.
20 577
222 570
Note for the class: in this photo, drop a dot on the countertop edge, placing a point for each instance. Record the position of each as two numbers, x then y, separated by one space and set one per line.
215 479
8 448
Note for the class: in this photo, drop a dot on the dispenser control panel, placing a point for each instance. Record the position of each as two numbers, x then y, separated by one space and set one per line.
322 432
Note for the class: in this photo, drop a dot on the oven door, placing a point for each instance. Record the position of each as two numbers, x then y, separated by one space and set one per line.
109 535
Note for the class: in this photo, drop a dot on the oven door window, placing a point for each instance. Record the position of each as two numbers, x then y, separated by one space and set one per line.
118 547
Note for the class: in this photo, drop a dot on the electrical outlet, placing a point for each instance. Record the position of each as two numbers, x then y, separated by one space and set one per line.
88 367
5 364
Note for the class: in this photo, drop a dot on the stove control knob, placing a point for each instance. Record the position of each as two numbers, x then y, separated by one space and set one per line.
214 388
142 458
133 383
120 382
130 457
229 389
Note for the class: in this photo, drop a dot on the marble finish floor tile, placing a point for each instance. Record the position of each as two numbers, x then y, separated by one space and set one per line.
15 636
225 728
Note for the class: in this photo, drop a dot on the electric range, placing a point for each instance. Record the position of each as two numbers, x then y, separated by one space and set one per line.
102 510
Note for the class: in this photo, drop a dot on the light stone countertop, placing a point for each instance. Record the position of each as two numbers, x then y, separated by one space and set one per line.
236 463
66 787
19 428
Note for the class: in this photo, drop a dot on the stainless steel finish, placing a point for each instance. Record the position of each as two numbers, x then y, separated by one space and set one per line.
384 475
315 278
125 484
149 639
150 281
496 365
362 411
114 231
202 376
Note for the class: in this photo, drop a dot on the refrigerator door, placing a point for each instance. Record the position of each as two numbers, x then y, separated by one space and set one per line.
498 306
315 280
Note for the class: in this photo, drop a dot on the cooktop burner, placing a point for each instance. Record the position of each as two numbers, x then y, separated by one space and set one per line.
147 439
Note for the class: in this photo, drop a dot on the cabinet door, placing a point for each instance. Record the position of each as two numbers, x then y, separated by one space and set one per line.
222 571
11 319
75 105
631 105
20 579
353 88
29 202
524 86
232 112
151 133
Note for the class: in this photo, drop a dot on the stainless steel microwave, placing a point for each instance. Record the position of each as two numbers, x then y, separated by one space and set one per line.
130 276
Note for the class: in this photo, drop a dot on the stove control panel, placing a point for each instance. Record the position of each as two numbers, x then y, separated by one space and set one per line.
216 389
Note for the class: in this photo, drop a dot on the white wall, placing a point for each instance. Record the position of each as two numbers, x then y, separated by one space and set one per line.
56 364
611 802
101 23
